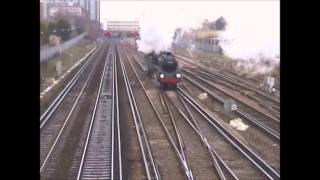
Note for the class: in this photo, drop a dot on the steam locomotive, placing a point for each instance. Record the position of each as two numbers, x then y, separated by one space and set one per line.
165 68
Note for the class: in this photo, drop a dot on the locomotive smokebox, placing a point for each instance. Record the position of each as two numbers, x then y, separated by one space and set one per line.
167 62
165 68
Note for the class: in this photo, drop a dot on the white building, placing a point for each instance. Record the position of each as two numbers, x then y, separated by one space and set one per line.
74 7
93 7
123 26
43 9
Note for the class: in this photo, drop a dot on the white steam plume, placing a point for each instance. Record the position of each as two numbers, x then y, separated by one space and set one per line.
254 41
156 34
252 26
258 66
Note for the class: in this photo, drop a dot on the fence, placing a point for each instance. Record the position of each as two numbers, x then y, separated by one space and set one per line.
47 53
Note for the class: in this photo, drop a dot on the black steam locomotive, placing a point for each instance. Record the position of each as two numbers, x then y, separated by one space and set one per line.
165 68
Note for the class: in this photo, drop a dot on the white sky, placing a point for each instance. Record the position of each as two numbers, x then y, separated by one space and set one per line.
253 25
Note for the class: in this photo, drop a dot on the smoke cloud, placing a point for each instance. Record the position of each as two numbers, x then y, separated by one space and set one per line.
154 39
253 41
260 65
252 33
156 33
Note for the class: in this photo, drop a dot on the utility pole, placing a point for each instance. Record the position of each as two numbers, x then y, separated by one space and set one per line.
214 47
202 37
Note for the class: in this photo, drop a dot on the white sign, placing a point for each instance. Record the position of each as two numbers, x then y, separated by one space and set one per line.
59 68
65 9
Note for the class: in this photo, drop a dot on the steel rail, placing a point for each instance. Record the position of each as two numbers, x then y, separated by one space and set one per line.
57 101
263 166
152 172
263 127
183 162
214 155
91 121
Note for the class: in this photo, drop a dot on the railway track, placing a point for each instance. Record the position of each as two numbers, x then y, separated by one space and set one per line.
267 102
102 152
64 92
50 128
151 169
133 166
234 82
234 78
84 142
254 158
195 162
267 124
64 134
50 93
220 169
273 107
223 171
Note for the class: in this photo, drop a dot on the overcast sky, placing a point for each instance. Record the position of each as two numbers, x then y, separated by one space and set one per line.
253 25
